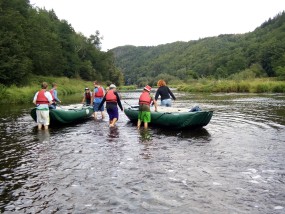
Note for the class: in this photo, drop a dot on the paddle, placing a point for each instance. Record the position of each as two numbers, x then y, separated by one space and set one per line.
137 106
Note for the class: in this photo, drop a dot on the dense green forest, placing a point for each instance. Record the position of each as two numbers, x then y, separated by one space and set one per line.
34 41
260 53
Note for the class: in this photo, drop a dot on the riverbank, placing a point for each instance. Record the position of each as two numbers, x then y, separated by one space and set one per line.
25 94
66 86
262 85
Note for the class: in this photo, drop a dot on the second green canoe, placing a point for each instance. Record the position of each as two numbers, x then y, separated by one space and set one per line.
174 118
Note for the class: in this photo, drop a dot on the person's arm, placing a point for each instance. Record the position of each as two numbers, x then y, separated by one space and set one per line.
35 98
171 94
91 98
156 94
119 101
102 102
155 104
83 100
55 96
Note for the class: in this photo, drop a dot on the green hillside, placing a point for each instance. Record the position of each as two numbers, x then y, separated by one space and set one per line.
34 41
260 53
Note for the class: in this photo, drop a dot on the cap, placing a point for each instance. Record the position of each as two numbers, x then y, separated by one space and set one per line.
148 88
112 86
86 88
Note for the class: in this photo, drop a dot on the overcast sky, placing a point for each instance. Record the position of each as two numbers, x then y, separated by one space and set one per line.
153 22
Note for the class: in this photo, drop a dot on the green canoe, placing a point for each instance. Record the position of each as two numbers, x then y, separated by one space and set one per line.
67 114
175 118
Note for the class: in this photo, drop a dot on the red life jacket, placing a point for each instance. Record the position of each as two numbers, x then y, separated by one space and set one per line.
99 93
52 94
87 96
111 97
145 98
41 98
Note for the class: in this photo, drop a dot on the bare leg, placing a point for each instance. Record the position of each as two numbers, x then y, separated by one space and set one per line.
145 125
39 126
139 124
113 122
46 127
95 115
103 115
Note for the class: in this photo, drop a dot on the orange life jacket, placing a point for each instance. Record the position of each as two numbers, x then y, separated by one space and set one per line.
52 94
99 93
145 98
41 98
111 97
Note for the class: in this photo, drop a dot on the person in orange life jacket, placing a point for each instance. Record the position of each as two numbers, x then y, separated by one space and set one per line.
55 99
112 99
145 101
87 97
42 100
98 95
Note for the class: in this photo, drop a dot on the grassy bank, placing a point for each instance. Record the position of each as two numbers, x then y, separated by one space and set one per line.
127 87
14 94
262 85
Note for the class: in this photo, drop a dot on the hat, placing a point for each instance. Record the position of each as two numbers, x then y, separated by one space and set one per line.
148 88
86 88
112 86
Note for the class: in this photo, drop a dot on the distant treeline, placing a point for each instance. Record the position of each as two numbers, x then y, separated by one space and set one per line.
34 41
260 53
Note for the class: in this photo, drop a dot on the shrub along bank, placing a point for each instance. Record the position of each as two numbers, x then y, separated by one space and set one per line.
262 85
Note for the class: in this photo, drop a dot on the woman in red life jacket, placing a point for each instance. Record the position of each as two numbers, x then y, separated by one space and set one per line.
87 97
112 100
145 101
99 94
42 100
55 99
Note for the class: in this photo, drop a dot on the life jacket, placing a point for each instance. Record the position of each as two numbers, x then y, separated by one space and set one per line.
99 93
111 97
52 94
145 98
41 98
88 96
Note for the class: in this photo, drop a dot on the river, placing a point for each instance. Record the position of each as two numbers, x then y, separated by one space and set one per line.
236 164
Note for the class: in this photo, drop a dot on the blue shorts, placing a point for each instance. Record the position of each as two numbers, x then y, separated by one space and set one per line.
95 107
113 113
166 102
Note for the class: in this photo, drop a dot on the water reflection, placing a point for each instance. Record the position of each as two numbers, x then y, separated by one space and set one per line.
113 134
145 138
43 136
195 133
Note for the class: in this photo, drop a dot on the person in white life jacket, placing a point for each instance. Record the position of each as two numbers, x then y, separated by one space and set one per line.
145 101
87 97
98 96
55 99
112 100
42 100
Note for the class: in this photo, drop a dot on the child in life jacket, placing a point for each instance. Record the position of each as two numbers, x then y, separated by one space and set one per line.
42 100
145 101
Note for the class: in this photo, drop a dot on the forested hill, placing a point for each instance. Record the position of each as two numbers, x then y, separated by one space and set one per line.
258 53
34 41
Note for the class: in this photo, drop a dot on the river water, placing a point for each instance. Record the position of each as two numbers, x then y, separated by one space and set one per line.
236 164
